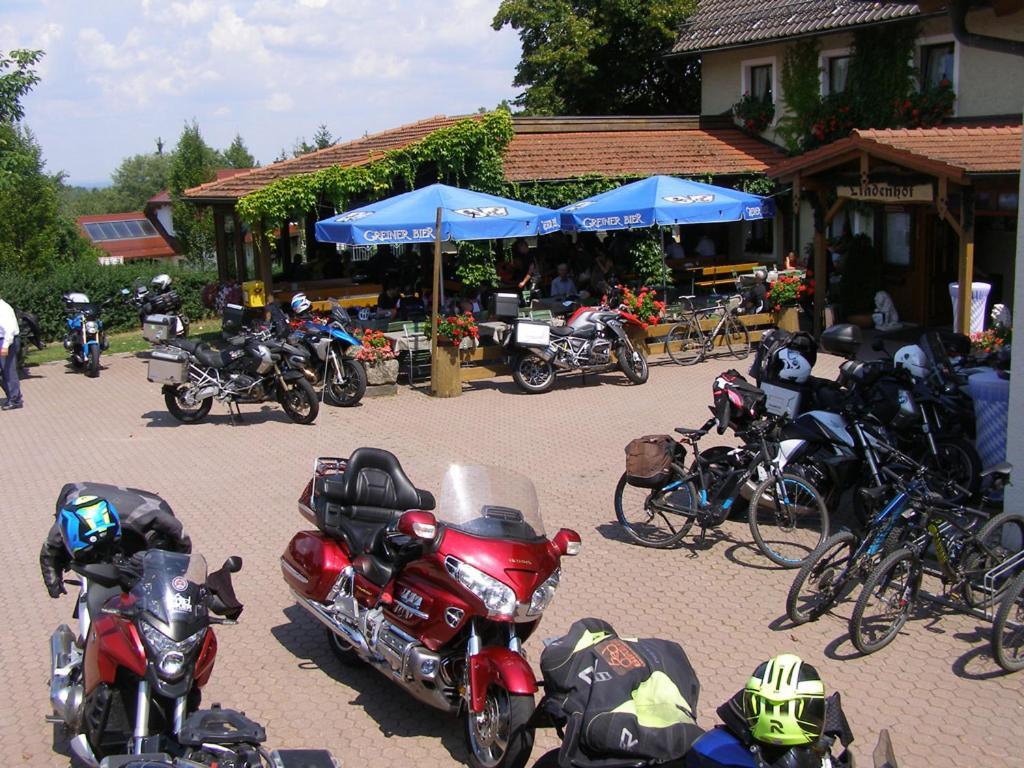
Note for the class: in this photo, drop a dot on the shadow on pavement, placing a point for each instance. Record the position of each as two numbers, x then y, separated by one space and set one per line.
396 712
265 414
747 554
832 649
977 663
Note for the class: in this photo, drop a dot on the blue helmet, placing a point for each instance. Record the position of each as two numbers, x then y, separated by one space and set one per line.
88 525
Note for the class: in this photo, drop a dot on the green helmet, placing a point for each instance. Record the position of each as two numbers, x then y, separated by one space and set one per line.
784 702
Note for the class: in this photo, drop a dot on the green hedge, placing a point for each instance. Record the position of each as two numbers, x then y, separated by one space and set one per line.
41 294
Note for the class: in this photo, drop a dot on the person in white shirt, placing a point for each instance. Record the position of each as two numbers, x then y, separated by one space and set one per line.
706 247
563 285
10 340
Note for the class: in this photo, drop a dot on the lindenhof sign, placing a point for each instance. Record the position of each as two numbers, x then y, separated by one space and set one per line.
885 192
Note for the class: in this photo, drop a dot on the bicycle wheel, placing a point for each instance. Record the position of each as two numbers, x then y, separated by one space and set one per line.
788 520
885 602
999 539
1008 628
823 578
656 518
685 343
737 337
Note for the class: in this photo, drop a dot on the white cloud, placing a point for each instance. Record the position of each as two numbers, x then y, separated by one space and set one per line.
313 3
279 102
99 53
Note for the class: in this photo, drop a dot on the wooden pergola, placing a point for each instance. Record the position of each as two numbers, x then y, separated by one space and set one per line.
937 167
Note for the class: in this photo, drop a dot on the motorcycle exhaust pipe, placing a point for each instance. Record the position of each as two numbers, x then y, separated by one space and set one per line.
546 354
325 617
66 697
80 749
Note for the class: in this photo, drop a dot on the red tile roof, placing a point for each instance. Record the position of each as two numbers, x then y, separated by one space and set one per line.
732 23
222 173
128 249
955 150
565 149
548 148
349 153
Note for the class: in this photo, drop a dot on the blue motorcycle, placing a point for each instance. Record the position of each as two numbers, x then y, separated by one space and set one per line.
329 343
85 338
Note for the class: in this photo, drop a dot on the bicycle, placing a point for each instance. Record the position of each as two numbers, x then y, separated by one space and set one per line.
966 561
782 505
687 343
1008 626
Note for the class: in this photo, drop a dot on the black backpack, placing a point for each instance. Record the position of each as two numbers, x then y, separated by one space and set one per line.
619 701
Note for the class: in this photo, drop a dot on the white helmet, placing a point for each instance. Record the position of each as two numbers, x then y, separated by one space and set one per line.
913 358
300 304
161 282
795 367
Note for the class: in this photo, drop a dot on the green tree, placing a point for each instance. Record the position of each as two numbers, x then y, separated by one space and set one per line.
322 139
17 78
594 57
194 163
238 156
138 178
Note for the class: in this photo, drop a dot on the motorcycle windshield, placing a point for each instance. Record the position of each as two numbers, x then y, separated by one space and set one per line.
490 502
172 587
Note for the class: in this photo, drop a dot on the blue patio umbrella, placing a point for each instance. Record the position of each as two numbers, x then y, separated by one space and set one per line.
412 218
663 201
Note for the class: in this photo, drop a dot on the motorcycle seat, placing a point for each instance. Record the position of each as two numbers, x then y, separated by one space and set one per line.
561 330
212 357
372 493
589 331
374 569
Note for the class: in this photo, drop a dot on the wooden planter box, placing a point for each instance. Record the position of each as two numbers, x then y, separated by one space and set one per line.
788 319
446 372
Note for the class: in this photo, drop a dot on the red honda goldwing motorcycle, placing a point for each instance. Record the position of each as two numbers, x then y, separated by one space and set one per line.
440 605
131 679
537 351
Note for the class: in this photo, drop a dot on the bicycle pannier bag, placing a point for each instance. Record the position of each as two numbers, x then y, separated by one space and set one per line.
621 701
738 403
649 460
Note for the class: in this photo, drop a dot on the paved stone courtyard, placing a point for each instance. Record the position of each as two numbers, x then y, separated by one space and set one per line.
235 489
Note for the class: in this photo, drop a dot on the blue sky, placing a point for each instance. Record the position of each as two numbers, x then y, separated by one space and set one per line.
117 74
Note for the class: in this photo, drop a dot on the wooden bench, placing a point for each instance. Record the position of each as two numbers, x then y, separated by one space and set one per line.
714 275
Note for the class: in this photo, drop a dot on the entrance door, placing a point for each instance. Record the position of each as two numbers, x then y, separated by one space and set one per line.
942 261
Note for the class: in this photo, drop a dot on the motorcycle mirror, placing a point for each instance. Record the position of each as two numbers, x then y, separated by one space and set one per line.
125 291
233 564
567 542
419 524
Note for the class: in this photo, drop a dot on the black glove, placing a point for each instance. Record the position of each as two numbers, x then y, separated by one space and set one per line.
56 587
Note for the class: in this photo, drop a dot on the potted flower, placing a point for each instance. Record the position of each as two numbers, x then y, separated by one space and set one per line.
991 340
753 114
643 305
378 358
454 332
784 299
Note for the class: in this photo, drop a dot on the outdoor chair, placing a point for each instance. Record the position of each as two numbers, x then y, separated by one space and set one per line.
396 326
543 315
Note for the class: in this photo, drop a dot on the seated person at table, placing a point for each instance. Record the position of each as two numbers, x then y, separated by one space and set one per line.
706 248
387 302
412 306
563 285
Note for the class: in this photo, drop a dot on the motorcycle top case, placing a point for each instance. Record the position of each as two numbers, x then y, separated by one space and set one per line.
649 460
622 701
168 365
159 327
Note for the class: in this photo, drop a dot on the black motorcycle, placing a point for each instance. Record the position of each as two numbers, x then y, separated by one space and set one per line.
30 333
253 369
159 309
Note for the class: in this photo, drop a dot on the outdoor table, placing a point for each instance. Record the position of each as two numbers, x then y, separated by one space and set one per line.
494 329
991 395
407 342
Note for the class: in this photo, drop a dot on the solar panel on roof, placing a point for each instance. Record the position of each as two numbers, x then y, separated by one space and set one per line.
129 229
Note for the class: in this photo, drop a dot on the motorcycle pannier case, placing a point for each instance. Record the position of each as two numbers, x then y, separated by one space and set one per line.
649 461
158 328
532 334
168 365
621 701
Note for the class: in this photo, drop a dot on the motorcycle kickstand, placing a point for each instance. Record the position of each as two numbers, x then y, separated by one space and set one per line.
235 413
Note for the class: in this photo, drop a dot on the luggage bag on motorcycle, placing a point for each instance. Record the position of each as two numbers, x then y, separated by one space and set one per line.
168 365
157 328
621 701
738 403
649 461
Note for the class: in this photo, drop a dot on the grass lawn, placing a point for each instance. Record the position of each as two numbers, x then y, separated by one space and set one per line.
128 341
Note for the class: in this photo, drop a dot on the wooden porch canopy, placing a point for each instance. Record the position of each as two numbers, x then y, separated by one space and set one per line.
940 167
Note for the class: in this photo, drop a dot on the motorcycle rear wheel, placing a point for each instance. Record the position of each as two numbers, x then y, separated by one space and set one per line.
342 651
299 401
633 364
532 374
94 362
349 393
182 411
499 736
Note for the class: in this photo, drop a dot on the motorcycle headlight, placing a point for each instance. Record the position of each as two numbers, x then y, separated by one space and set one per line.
543 594
171 654
92 327
499 598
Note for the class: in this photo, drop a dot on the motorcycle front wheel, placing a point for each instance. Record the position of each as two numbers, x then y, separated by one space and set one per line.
183 410
349 392
532 374
633 364
498 737
94 362
299 401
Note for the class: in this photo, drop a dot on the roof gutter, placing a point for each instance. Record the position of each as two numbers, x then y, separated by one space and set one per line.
958 19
